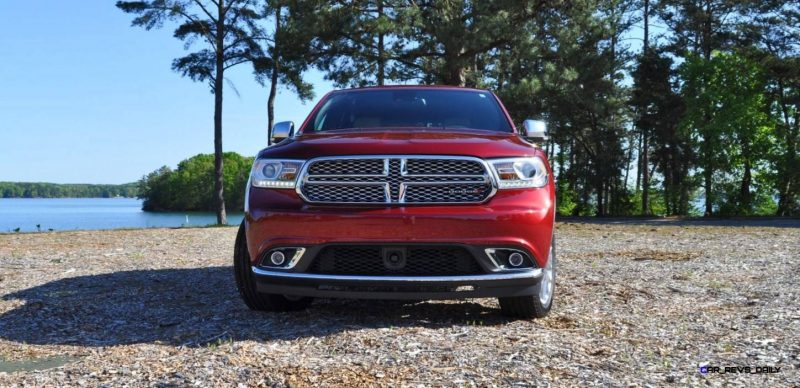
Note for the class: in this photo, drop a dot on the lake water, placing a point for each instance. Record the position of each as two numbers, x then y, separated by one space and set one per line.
93 213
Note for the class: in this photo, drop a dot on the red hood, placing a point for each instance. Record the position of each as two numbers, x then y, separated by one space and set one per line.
483 144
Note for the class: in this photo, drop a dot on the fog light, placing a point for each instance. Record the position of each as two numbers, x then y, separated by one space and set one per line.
515 259
277 258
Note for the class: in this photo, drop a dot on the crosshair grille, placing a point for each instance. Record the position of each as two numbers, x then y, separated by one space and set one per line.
396 180
420 261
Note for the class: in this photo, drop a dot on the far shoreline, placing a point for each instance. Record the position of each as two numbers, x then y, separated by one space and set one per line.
122 229
567 222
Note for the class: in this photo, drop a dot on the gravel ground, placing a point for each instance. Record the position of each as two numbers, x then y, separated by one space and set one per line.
636 303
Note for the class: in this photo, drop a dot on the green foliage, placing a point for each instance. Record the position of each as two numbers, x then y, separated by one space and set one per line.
657 111
53 190
702 26
774 32
204 22
450 36
228 35
367 42
190 186
565 200
711 104
657 204
726 112
284 48
362 41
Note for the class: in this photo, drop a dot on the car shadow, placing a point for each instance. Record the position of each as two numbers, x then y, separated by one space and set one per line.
193 307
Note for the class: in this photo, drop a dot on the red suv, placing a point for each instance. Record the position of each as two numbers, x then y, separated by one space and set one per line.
400 193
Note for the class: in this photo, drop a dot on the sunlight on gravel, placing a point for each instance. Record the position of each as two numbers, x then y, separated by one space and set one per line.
635 304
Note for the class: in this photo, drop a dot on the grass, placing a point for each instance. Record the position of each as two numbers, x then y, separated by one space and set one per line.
685 275
718 285
219 342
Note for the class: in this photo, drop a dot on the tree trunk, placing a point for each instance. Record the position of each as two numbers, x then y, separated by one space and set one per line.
676 181
639 165
276 68
789 176
219 194
645 131
273 91
707 175
454 72
668 195
645 174
684 187
601 210
584 205
646 38
560 161
745 200
707 28
381 51
628 161
744 193
455 76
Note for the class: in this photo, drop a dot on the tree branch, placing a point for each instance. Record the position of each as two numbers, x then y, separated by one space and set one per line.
203 7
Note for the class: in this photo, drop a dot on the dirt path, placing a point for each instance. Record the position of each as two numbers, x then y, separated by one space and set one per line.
636 303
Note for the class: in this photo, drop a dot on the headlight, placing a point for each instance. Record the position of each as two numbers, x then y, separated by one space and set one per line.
277 174
519 173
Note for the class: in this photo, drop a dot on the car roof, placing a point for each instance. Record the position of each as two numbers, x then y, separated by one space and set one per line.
420 87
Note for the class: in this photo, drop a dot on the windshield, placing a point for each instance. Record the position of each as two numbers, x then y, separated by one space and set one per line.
415 108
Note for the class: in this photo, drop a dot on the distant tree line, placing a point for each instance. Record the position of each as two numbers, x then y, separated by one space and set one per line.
54 190
701 117
190 187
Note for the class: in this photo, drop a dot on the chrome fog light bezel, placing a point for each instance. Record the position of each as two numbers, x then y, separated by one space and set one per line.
503 264
291 255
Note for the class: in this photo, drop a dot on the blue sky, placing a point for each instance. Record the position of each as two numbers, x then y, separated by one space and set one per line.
86 98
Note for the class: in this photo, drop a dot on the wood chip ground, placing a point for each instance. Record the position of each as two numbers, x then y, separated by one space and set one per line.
635 305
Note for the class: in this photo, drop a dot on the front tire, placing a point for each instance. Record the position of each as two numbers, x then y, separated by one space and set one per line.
246 284
539 304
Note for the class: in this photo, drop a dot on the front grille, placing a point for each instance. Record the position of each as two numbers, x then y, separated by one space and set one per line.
419 261
443 167
347 166
396 180
333 193
462 193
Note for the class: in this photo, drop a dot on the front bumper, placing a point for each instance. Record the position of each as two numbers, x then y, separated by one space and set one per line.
515 219
517 283
512 218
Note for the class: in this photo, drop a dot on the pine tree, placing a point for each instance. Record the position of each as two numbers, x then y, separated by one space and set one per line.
773 36
361 42
220 27
285 52
726 112
698 28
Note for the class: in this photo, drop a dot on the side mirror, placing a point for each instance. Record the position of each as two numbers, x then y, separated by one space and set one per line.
536 131
281 131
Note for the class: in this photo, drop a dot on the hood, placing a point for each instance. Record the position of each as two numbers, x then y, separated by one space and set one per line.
428 141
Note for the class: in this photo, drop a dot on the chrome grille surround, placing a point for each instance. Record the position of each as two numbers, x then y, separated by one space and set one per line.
396 180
